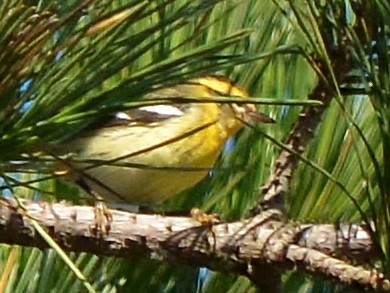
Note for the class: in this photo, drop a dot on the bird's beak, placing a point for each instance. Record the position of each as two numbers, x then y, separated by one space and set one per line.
256 116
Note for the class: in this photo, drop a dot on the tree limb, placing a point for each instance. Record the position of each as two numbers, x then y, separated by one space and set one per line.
240 247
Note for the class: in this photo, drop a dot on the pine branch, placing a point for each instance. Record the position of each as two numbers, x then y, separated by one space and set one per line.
274 191
241 247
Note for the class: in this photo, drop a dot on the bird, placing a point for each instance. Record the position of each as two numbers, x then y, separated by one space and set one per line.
145 155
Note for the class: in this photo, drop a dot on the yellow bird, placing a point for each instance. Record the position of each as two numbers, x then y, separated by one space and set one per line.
155 152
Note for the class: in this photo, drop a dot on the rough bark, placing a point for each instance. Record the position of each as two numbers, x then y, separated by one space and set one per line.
243 247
